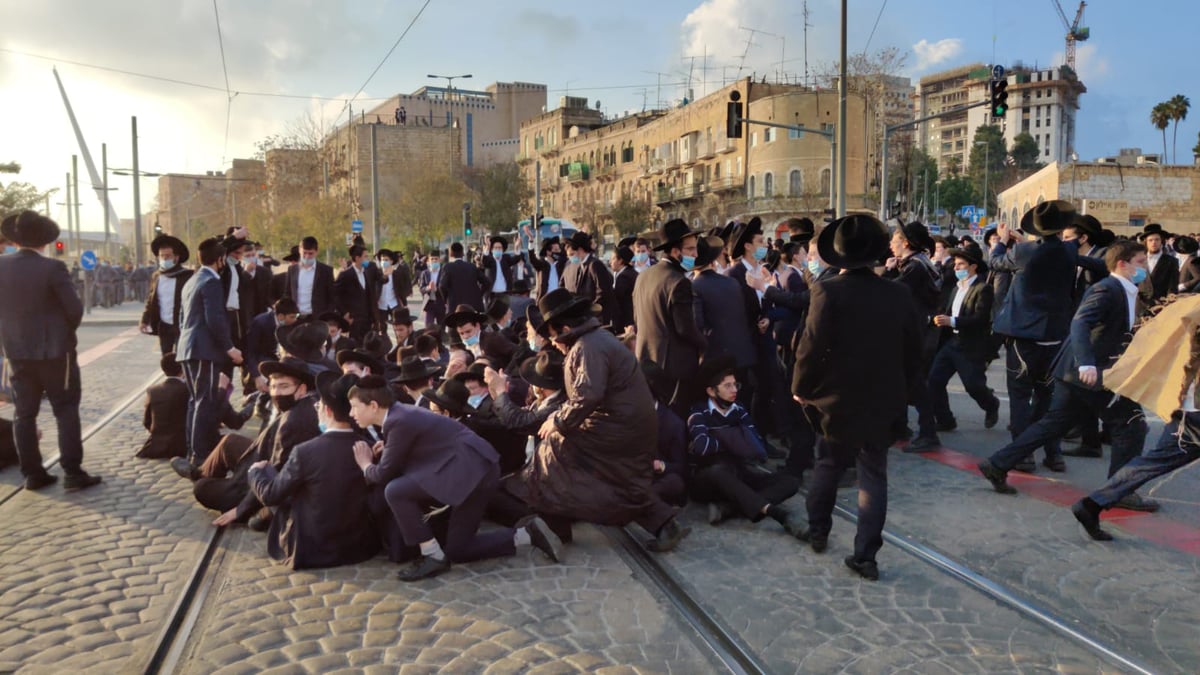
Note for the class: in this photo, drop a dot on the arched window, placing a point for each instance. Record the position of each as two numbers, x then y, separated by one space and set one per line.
750 190
794 188
768 185
826 182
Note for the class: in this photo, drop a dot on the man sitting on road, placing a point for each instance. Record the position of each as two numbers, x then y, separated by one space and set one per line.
166 413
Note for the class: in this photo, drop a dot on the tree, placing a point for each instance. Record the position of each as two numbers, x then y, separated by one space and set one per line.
955 192
502 193
17 196
323 218
987 163
1177 106
10 167
1160 117
306 132
631 215
429 210
1025 151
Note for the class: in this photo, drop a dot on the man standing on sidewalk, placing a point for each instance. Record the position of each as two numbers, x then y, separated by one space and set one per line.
38 318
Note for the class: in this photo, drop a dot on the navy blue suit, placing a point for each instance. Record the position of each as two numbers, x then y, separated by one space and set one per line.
204 343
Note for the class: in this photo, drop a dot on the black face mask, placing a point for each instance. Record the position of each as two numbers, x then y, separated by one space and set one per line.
284 402
721 403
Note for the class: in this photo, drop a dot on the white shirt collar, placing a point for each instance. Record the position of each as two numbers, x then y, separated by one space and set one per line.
966 283
712 407
1130 288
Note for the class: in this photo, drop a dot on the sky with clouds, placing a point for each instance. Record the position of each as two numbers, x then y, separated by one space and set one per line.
616 52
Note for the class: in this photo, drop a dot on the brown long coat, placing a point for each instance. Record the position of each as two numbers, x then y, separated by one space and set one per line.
597 464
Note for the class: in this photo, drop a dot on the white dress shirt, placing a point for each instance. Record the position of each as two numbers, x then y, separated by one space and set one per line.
500 285
960 294
1152 260
552 283
233 302
166 299
387 295
304 288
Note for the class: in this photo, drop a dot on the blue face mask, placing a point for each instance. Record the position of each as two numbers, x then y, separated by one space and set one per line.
366 263
641 258
386 264
1139 275
165 265
760 253
962 275
10 249
688 262
231 261
497 254
323 427
472 341
533 345
574 258
814 266
475 400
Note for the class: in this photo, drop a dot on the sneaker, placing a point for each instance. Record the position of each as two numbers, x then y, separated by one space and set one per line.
45 480
80 481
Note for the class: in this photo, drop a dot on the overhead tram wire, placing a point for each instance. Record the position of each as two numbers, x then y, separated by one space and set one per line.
225 71
877 18
385 57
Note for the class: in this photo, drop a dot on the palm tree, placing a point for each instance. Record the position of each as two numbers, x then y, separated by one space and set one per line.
1160 117
1178 107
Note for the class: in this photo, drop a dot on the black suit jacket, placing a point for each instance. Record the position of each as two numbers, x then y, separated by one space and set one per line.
506 264
322 518
279 286
722 313
323 298
1099 333
297 425
460 284
623 284
1189 275
358 300
1163 281
151 316
245 294
663 308
859 357
1084 278
542 267
591 279
973 326
39 308
259 291
166 413
260 342
1038 304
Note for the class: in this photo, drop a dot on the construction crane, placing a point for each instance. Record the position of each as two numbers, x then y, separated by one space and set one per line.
1075 33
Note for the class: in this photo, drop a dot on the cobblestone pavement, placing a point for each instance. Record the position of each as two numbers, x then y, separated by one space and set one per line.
521 614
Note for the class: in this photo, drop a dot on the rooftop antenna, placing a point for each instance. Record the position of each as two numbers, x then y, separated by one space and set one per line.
804 11
703 72
749 41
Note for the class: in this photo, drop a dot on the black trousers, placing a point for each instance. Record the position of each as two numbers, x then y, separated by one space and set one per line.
832 461
749 490
952 359
464 542
168 335
1030 386
58 380
204 408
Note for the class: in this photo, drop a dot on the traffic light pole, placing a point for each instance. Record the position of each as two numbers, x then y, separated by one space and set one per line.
883 188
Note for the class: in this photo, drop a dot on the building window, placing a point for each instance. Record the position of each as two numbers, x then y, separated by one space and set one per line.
768 134
768 185
826 181
794 183
750 189
716 171
753 139
793 134
627 155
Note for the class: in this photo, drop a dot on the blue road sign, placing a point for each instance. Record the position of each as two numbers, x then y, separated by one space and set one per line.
967 211
87 260
356 226
997 72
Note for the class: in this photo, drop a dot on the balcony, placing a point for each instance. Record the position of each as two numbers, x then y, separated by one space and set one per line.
678 193
725 184
704 150
577 171
724 145
523 159
606 172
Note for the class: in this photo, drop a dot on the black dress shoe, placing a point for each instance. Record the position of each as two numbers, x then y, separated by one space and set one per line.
1055 464
1026 466
817 542
1084 451
1135 502
1090 521
80 481
425 568
998 478
923 444
867 569
542 538
38 482
669 536
184 468
950 425
991 417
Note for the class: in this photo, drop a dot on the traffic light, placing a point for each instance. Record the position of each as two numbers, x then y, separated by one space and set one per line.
999 97
467 219
733 115
59 249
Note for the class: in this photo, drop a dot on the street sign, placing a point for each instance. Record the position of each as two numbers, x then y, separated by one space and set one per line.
87 260
997 72
967 212
356 226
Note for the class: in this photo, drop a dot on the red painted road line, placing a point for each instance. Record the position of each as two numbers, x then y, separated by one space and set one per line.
1154 528
100 350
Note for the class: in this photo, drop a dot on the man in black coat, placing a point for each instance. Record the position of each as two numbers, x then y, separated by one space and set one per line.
258 281
166 413
965 326
460 282
358 293
587 277
261 345
498 268
39 315
434 306
163 303
723 312
279 281
238 292
320 518
310 283
1162 267
395 285
1098 335
624 279
549 266
857 361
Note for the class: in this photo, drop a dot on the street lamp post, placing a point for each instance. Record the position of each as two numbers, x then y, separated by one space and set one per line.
449 80
987 167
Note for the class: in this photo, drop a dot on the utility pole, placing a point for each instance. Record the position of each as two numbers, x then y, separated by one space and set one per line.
104 182
137 198
325 178
537 204
75 198
841 129
374 188
70 209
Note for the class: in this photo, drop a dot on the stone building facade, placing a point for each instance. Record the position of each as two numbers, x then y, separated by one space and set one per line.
681 162
192 205
1124 198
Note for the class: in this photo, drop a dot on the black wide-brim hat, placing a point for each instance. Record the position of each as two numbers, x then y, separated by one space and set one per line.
533 317
561 303
548 242
389 254
293 255
464 314
452 395
174 243
581 240
1049 218
971 254
334 390
742 235
359 356
232 243
415 368
544 370
1153 228
402 316
917 236
672 232
854 241
304 340
290 366
519 286
497 308
805 230
708 249
30 229
474 371
1091 226
1186 245
335 318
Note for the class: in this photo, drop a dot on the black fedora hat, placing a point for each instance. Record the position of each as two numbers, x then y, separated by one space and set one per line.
290 366
402 316
304 340
1050 218
464 314
544 370
708 249
742 235
389 254
415 368
627 241
726 231
473 372
1153 228
581 239
452 395
359 356
672 232
335 318
561 303
533 317
1185 245
854 241
29 228
174 243
497 307
548 242
971 254
917 236
520 286
802 229
334 390
1089 225
293 255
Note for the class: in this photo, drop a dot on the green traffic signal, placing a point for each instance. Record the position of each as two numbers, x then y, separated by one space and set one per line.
999 92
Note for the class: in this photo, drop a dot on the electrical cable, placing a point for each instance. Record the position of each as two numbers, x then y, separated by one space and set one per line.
228 94
877 18
386 56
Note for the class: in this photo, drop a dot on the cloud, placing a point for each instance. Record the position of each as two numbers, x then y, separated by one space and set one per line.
930 54
714 27
554 28
1090 66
